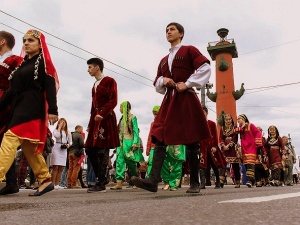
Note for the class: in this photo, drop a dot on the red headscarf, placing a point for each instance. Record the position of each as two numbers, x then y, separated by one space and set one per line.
49 67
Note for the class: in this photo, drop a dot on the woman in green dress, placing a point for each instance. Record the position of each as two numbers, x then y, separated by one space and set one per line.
129 152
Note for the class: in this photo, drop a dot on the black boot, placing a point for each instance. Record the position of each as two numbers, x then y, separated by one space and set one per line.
217 185
150 184
11 182
202 178
207 176
102 169
193 152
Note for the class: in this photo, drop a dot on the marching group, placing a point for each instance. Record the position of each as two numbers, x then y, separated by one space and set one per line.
181 139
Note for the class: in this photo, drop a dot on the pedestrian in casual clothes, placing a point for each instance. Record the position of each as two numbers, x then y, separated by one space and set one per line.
289 162
63 140
295 174
75 152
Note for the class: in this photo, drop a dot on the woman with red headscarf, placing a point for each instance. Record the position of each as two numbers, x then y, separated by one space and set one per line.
32 98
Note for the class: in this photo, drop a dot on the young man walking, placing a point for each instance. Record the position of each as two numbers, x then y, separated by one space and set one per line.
180 119
102 128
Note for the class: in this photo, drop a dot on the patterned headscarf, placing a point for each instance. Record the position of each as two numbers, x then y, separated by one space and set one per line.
244 117
276 131
49 67
230 117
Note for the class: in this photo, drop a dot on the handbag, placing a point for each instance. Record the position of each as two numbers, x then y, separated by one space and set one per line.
49 145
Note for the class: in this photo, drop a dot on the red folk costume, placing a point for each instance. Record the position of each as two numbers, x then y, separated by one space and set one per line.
172 126
103 134
38 77
8 65
206 146
228 137
274 148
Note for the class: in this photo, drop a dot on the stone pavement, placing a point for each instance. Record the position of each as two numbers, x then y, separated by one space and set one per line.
136 206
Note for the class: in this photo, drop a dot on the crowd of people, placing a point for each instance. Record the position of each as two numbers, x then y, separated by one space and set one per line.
181 139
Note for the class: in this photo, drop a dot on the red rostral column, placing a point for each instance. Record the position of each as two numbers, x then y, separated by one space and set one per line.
225 96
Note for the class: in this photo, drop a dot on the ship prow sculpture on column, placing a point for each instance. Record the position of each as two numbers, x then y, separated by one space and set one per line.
223 51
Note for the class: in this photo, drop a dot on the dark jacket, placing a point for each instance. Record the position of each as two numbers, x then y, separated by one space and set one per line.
26 95
77 142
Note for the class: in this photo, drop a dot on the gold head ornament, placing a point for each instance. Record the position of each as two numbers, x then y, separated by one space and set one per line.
34 33
227 116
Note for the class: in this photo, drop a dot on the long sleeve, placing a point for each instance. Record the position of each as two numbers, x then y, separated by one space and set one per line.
112 98
200 77
69 138
136 139
5 100
51 95
221 138
159 86
257 135
214 134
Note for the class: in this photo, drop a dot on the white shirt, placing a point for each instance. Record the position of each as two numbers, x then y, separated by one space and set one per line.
198 79
5 55
98 82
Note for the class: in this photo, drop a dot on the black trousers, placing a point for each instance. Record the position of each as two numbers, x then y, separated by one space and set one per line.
99 158
193 151
215 169
259 172
11 175
237 172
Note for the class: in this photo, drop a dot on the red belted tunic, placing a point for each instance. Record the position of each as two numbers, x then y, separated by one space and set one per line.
180 119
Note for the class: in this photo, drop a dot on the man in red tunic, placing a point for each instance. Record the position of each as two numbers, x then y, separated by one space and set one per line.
8 63
180 119
102 128
211 156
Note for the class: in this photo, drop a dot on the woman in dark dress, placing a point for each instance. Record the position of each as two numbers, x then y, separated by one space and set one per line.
32 99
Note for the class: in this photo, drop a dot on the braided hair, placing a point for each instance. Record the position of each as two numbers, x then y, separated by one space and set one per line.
126 107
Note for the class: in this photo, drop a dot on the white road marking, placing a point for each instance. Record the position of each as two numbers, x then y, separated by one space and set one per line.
263 198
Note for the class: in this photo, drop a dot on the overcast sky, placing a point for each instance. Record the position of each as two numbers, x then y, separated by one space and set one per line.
131 34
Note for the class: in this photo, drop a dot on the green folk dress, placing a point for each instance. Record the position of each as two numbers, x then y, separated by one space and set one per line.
125 155
171 171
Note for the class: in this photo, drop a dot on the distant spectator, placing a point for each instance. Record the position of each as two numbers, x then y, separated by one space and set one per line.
289 162
295 174
63 140
75 152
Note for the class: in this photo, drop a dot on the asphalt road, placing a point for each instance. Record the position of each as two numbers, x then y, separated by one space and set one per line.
136 206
